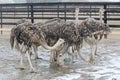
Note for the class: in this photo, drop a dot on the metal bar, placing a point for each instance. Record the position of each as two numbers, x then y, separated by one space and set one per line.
28 11
58 10
65 11
105 14
1 16
90 9
32 13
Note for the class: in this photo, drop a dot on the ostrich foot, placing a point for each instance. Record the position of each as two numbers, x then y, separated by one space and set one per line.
33 70
53 62
73 61
97 54
63 65
21 67
38 58
92 60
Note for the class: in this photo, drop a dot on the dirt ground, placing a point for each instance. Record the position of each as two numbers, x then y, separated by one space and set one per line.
106 66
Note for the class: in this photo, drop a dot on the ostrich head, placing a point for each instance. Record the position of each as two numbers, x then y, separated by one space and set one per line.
105 28
101 10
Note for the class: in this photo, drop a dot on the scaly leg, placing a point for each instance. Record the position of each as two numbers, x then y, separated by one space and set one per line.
21 62
35 51
92 58
21 58
30 63
51 56
61 53
96 48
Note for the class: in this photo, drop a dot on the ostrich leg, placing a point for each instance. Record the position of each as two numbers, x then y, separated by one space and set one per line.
100 37
51 56
75 52
96 46
92 57
72 53
35 51
32 69
21 58
93 46
21 61
80 56
60 54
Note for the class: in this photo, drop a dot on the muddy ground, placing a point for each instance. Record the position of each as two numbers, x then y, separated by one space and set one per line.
105 67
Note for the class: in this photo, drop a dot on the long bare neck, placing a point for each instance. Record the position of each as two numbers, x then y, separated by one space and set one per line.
101 11
76 16
100 14
44 44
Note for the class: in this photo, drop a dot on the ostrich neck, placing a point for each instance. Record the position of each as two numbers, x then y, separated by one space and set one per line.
100 14
76 16
44 44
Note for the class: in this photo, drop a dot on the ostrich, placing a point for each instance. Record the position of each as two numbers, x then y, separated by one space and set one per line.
61 29
27 34
93 31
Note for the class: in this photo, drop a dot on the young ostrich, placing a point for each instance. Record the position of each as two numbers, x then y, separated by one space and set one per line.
28 34
93 31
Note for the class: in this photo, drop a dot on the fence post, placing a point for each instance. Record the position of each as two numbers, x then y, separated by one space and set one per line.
58 10
28 11
32 13
1 15
105 13
90 10
65 11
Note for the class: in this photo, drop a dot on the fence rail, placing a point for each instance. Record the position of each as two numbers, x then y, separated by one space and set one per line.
10 13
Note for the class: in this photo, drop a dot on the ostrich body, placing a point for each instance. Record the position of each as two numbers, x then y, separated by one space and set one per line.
93 31
27 34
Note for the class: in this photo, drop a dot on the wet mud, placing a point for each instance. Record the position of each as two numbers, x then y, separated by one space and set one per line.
105 67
